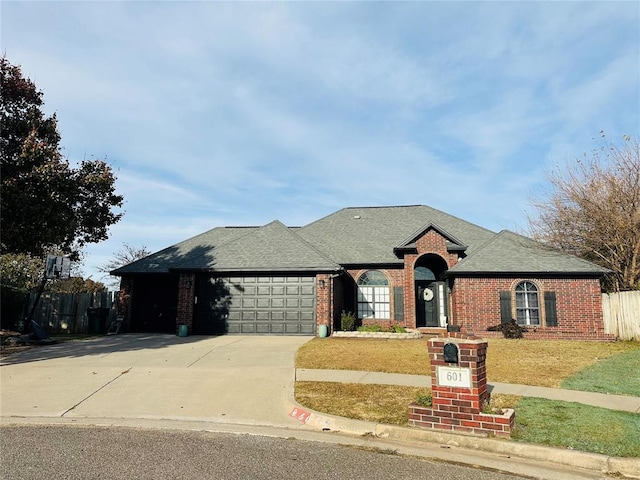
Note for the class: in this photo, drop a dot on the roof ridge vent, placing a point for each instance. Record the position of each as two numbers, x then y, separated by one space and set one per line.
357 217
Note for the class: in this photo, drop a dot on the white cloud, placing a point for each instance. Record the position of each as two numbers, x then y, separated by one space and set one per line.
221 113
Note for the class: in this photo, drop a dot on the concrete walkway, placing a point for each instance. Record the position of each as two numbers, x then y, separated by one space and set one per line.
612 402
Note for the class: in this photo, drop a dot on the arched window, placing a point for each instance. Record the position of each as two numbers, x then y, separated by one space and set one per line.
373 295
527 304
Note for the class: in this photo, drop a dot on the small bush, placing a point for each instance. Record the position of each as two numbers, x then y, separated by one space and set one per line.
347 322
424 399
509 330
370 328
377 328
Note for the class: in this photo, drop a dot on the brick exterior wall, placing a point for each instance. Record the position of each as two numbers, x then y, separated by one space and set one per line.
457 409
476 306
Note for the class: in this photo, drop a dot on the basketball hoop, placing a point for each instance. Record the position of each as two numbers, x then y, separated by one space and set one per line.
57 267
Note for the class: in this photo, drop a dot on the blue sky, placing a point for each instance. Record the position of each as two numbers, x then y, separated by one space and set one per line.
216 113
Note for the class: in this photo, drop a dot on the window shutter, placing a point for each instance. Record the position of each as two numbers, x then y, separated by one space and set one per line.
398 304
551 312
505 307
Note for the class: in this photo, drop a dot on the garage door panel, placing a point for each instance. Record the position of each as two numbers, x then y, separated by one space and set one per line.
279 305
248 303
263 328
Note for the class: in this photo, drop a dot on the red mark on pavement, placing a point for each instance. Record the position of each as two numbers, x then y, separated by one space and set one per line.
300 414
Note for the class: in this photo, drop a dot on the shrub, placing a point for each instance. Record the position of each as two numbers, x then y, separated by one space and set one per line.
424 399
347 322
370 328
509 330
398 329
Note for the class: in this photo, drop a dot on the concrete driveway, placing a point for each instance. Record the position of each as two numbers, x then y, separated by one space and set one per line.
228 379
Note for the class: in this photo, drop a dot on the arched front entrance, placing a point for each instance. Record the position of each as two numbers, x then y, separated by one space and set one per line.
432 294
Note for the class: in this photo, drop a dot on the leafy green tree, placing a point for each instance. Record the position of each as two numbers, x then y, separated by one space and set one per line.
46 203
593 211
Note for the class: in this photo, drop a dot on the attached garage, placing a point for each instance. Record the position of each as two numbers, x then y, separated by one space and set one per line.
277 305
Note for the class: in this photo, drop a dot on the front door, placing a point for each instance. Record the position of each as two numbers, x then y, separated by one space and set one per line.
431 303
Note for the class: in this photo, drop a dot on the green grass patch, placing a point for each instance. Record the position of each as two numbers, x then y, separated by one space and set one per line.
538 421
619 375
578 427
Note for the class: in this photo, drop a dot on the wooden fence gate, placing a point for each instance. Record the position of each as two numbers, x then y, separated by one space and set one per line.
69 312
621 314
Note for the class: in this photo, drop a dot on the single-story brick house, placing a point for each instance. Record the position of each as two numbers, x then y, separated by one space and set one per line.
409 265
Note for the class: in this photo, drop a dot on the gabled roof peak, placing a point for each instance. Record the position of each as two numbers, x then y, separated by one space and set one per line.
421 231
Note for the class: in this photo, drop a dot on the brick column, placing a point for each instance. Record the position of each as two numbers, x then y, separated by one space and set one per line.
323 306
472 355
186 289
459 391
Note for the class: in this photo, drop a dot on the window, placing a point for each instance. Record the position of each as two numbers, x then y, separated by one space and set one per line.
527 304
373 295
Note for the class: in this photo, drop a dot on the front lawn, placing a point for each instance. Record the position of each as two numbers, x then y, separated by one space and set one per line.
588 366
618 375
540 421
544 363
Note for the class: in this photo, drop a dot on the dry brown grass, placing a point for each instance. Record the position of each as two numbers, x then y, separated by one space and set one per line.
545 363
373 403
369 354
529 362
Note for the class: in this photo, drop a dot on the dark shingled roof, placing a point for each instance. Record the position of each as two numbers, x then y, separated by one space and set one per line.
272 247
358 236
509 252
366 235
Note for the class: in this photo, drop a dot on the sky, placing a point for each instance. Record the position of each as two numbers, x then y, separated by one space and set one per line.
239 113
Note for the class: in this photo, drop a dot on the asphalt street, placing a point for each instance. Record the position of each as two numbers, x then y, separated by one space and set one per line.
63 452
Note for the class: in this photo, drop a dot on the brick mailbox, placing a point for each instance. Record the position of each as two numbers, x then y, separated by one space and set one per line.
459 390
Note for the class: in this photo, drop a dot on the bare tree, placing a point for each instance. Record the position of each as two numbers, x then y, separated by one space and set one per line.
593 211
126 255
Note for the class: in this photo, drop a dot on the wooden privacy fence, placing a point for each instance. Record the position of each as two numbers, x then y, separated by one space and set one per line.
68 312
621 313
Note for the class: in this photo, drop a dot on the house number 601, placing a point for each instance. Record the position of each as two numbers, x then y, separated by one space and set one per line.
454 377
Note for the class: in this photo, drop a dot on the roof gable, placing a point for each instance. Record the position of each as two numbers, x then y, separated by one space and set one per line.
509 252
453 244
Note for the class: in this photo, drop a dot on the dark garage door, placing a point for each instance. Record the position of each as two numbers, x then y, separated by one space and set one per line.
278 305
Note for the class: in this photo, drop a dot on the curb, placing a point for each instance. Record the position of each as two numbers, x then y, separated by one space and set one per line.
603 464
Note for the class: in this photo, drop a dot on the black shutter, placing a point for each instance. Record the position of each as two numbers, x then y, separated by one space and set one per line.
551 312
398 304
505 307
